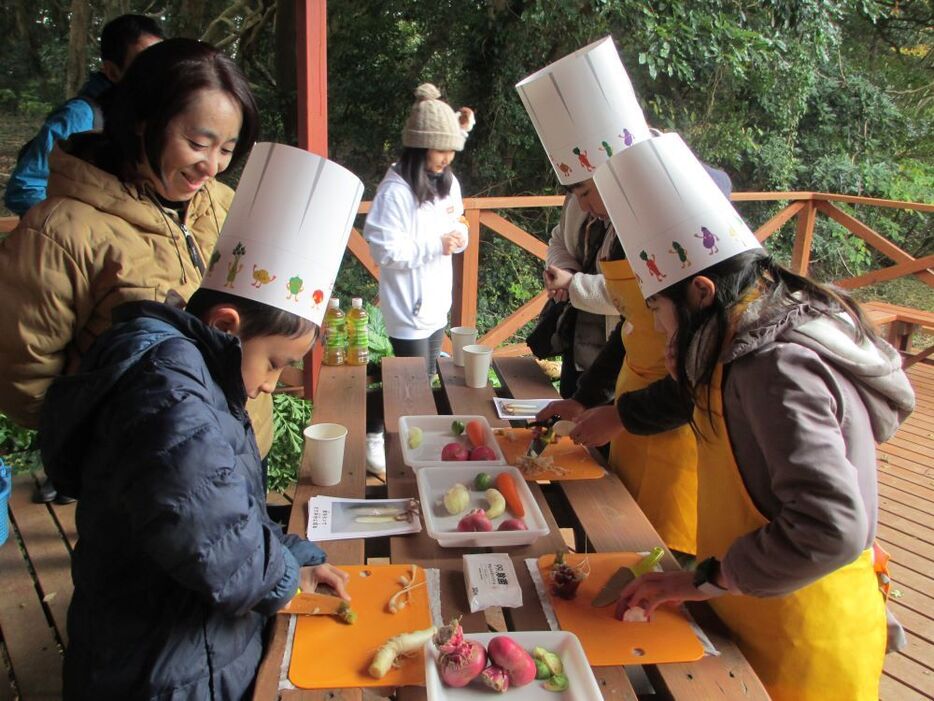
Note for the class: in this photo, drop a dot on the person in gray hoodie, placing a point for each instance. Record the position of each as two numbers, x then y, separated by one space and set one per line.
791 389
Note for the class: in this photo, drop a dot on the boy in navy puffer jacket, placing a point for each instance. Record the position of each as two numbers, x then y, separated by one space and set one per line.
177 566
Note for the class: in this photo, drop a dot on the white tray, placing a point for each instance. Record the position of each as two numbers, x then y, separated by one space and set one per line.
535 406
433 481
582 686
436 433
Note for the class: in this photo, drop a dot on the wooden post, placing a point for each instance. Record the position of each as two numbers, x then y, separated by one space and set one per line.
801 255
312 55
466 275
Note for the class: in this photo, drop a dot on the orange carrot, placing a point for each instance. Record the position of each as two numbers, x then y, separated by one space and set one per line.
507 487
475 433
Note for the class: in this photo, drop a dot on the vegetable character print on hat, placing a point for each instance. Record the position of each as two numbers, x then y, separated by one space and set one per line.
652 266
678 250
261 277
215 258
626 136
235 266
582 157
295 286
709 240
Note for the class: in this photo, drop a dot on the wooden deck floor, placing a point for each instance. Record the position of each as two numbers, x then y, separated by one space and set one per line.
906 530
35 590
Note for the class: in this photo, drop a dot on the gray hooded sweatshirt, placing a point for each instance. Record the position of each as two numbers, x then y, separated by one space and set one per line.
805 405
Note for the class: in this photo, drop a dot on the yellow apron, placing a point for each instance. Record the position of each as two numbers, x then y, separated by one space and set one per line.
824 642
661 470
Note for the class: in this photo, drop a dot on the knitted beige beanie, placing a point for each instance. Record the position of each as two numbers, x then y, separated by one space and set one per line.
433 124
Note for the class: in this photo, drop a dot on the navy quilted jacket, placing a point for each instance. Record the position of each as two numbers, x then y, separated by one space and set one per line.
177 565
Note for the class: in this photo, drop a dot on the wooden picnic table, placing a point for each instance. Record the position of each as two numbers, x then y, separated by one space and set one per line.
602 510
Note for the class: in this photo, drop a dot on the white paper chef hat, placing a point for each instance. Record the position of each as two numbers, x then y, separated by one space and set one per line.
671 218
584 110
286 232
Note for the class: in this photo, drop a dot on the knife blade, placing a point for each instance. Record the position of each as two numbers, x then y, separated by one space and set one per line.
311 604
536 447
624 575
540 442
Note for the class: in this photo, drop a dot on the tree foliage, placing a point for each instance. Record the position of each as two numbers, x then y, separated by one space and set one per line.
832 95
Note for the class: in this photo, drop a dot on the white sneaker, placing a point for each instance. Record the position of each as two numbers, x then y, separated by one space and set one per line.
376 454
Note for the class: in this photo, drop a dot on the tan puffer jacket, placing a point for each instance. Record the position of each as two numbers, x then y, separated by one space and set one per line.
95 243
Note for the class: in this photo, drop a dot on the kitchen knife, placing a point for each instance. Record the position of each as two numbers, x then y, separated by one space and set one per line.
540 442
624 575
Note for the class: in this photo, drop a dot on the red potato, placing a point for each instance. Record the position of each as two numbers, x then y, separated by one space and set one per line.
512 657
454 451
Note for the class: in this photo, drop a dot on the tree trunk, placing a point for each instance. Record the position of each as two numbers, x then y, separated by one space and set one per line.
286 60
191 18
77 61
23 19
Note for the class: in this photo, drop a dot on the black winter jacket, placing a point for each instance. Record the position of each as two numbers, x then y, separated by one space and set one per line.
177 565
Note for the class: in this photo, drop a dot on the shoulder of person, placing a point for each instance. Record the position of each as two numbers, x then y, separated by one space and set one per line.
779 366
67 222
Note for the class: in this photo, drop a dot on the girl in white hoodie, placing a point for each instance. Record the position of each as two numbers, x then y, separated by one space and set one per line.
416 224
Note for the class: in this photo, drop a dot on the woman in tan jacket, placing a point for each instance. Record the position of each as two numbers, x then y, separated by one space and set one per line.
132 213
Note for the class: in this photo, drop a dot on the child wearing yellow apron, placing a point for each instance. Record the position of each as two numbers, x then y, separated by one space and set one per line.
791 388
661 470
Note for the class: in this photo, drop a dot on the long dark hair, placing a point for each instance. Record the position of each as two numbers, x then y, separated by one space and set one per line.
257 319
411 166
159 85
735 278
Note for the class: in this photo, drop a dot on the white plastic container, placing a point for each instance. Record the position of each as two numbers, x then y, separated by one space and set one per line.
433 481
436 433
582 686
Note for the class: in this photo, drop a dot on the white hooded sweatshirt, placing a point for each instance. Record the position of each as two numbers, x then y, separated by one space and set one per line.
405 241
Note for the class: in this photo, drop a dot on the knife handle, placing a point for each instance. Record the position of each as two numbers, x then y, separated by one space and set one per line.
647 563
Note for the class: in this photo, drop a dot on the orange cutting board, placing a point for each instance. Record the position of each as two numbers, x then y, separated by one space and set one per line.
666 638
565 452
330 654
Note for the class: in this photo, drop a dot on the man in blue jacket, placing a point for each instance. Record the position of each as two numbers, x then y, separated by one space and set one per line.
122 39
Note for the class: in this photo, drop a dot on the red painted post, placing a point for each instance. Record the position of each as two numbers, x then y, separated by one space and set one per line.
312 82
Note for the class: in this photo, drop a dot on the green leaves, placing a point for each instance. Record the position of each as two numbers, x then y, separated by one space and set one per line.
290 415
18 446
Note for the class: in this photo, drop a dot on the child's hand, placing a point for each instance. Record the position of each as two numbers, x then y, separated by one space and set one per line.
568 409
597 426
452 241
311 577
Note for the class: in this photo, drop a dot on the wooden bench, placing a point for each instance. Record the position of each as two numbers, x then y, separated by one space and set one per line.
899 324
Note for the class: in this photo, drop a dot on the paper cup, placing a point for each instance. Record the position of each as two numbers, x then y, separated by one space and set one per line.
462 336
477 359
324 453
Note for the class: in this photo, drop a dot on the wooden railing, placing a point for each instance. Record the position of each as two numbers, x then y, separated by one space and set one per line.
802 206
483 212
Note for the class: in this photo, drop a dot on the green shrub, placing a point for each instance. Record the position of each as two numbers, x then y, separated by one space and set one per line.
290 416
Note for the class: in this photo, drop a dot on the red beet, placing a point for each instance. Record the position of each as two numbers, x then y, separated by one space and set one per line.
454 451
513 524
482 452
461 660
476 520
